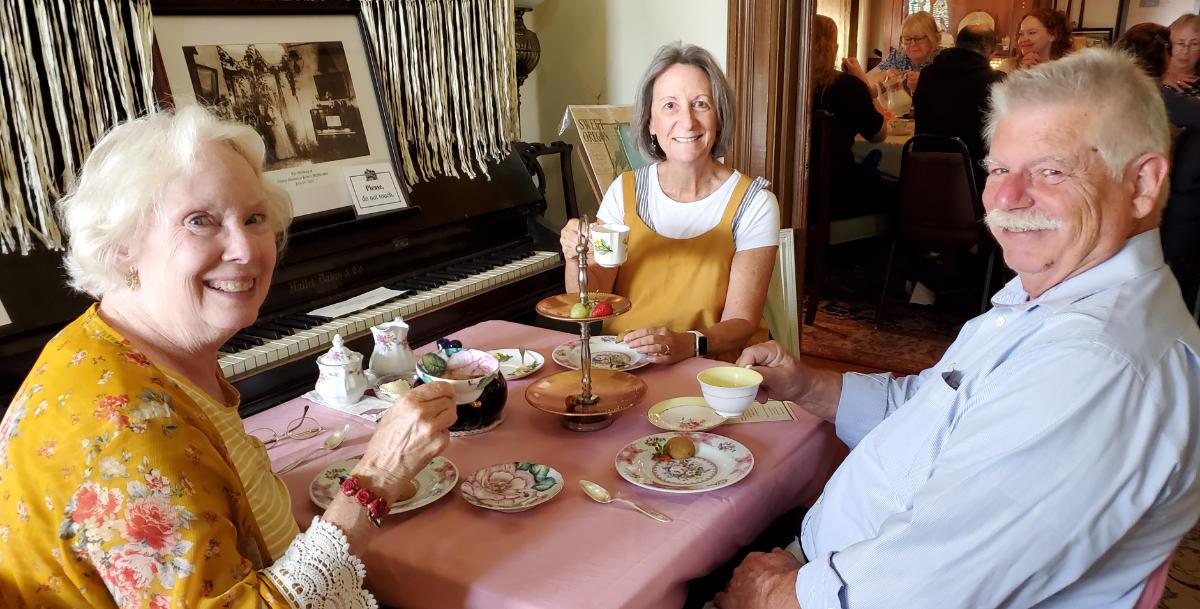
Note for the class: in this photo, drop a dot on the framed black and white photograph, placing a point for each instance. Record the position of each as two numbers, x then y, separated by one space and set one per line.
304 82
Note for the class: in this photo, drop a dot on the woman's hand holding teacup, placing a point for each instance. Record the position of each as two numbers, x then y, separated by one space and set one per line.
411 433
568 238
660 345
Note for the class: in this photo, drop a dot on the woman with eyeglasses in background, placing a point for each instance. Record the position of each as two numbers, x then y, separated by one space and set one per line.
1185 51
919 38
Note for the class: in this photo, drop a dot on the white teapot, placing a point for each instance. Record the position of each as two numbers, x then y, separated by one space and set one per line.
392 356
341 381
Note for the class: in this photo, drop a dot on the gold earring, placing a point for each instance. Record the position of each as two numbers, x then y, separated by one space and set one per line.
131 279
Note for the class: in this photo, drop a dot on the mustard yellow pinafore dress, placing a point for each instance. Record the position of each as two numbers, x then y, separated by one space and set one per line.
677 283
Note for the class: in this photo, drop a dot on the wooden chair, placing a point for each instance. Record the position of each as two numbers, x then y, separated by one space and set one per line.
940 206
823 230
530 151
782 308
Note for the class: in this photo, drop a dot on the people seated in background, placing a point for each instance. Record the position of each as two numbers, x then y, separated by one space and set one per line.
126 476
702 236
1181 72
953 98
1151 44
854 112
1050 457
919 40
1044 35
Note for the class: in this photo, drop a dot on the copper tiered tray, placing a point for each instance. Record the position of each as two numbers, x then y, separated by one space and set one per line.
585 399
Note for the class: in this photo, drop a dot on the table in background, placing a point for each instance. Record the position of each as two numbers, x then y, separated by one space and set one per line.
899 131
570 551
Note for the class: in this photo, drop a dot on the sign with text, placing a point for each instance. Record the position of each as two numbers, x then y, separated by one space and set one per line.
374 188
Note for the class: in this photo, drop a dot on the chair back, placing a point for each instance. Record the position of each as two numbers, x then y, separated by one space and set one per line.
820 172
782 309
939 201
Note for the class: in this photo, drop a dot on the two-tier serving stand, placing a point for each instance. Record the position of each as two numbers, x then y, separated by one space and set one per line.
585 399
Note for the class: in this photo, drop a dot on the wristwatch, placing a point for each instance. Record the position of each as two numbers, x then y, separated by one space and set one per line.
701 343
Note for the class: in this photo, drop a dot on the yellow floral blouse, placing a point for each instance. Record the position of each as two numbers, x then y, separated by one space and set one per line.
115 488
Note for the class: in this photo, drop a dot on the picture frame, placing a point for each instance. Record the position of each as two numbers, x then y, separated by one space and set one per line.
1092 37
305 81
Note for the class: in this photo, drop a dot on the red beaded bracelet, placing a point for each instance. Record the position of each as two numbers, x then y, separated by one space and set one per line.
377 508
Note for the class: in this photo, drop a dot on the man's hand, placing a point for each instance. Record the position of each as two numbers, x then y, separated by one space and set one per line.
786 378
766 581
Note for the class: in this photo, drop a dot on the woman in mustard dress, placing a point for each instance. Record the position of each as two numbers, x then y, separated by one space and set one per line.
702 236
126 476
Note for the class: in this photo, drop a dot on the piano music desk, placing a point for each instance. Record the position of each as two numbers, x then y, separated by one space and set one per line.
570 551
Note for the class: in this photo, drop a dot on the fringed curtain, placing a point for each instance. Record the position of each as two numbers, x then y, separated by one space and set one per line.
69 70
447 78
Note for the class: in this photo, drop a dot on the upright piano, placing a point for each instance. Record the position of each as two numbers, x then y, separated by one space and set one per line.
468 250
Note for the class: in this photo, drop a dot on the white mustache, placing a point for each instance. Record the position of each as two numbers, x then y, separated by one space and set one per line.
1020 221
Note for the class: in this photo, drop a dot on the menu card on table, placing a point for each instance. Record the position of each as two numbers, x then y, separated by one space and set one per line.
772 410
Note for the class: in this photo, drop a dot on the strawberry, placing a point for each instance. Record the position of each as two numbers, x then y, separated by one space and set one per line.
601 309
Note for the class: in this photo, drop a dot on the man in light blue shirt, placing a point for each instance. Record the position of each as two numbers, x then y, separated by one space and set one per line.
1050 458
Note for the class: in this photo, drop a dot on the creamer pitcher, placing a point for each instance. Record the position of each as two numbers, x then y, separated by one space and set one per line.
392 356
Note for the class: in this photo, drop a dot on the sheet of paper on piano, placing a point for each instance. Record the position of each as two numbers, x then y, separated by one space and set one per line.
607 150
772 410
4 318
358 303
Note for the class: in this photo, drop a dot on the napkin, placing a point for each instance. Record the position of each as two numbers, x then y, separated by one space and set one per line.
367 407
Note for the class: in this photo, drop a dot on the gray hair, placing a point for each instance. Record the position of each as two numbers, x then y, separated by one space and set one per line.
687 54
1132 120
119 188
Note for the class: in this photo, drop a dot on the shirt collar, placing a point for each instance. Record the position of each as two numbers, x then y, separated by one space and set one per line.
1140 254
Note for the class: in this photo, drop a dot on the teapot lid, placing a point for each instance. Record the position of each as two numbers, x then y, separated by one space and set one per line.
339 355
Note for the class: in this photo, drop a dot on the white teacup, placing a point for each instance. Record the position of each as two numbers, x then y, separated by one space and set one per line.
729 390
610 244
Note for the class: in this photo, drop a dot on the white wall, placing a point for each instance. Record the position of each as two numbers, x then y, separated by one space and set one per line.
594 52
1166 11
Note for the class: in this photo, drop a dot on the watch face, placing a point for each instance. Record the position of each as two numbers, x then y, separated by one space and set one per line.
701 345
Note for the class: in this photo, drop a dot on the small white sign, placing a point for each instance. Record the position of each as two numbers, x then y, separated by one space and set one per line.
4 318
375 188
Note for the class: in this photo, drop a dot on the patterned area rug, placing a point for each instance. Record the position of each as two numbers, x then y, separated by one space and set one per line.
911 338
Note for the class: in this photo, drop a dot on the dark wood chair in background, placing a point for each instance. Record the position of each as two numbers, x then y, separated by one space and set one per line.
940 206
823 230
531 151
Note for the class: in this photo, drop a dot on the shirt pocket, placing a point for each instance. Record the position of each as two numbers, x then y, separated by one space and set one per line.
909 445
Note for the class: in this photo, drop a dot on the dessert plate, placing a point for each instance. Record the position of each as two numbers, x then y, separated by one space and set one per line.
512 487
510 362
607 354
684 414
433 482
718 462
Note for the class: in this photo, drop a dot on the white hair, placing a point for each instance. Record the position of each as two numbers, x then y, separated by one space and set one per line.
1132 119
124 177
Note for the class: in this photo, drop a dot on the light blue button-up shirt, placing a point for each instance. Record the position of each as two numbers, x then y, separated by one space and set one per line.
1048 460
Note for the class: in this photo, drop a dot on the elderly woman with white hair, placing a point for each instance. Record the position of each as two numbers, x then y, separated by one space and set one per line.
702 236
126 476
919 44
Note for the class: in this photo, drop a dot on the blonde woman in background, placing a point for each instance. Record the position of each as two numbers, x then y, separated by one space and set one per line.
1185 51
919 39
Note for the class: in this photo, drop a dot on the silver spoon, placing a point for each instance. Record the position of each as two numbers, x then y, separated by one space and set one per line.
331 442
601 494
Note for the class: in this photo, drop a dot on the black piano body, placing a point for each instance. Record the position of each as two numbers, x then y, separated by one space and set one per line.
454 224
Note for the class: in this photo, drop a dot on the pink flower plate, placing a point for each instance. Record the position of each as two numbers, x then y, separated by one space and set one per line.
718 462
433 482
512 487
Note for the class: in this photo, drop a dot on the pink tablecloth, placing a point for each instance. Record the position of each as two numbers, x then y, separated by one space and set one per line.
570 551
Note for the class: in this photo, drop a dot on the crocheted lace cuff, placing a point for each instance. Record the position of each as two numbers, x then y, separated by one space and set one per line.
318 571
